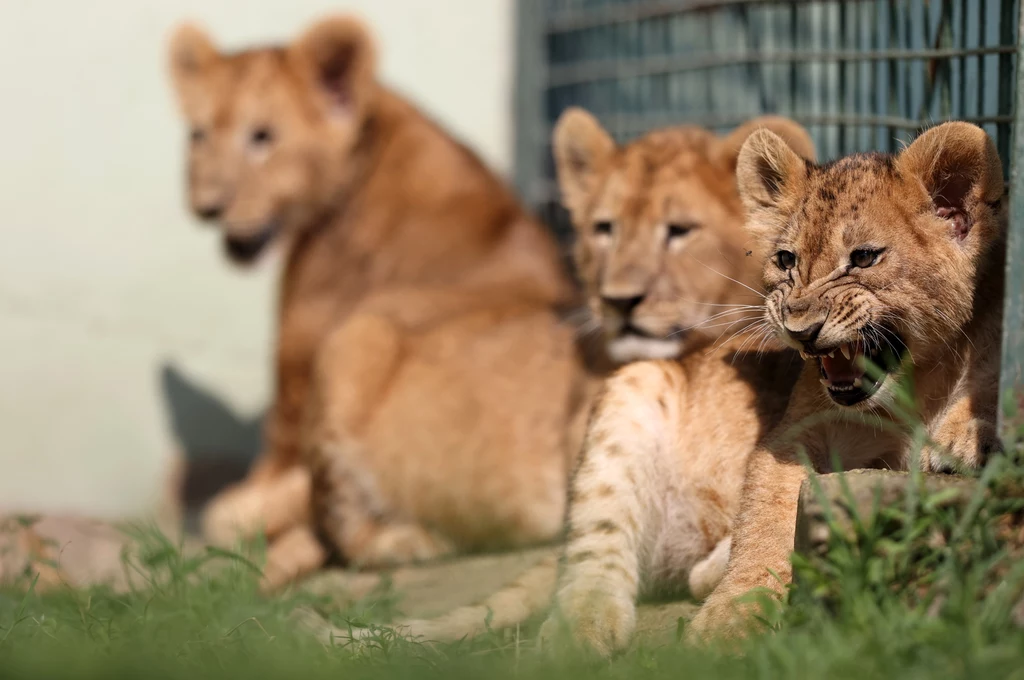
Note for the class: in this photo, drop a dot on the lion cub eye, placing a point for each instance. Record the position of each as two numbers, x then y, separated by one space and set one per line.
680 230
603 228
261 136
785 260
864 257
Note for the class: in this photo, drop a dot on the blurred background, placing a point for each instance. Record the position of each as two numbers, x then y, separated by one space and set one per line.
125 336
124 333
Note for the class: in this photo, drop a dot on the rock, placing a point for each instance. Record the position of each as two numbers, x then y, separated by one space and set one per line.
62 550
69 551
658 623
429 589
858 499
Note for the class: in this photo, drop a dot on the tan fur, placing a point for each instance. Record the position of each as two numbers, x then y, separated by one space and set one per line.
27 556
937 211
659 482
660 245
650 508
423 373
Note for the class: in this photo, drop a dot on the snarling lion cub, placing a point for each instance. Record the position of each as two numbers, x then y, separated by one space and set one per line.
662 255
422 366
890 262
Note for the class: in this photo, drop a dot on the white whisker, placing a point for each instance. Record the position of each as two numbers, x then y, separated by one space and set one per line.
721 343
726 324
760 295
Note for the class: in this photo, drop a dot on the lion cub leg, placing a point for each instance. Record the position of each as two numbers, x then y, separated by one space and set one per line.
354 369
271 504
963 441
762 542
619 502
295 553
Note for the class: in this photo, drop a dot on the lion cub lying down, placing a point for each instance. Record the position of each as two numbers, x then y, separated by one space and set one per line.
893 261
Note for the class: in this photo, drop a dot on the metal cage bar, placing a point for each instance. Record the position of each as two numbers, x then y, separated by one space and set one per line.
1011 385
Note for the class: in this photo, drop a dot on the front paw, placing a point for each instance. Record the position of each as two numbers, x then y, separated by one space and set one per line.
293 555
392 545
597 622
719 616
237 513
959 447
731 613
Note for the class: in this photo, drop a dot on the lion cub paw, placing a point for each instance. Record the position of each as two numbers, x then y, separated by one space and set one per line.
709 572
294 554
397 544
597 622
961 445
728 614
236 514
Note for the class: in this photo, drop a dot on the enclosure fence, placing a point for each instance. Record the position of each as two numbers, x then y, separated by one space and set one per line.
861 75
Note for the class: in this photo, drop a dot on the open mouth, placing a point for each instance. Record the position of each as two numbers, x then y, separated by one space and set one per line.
245 250
845 371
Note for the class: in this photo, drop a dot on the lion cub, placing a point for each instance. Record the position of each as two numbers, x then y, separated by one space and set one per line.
427 387
892 261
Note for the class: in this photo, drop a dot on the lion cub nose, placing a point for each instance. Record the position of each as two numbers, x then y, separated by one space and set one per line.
623 305
806 335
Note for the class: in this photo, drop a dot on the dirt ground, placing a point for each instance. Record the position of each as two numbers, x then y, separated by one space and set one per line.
74 552
88 552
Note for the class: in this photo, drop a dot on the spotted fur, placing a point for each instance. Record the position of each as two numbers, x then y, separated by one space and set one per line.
935 219
658 485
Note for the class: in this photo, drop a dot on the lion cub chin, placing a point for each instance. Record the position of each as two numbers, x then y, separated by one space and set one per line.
881 264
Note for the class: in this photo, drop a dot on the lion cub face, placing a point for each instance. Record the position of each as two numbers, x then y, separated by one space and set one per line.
660 244
271 130
874 259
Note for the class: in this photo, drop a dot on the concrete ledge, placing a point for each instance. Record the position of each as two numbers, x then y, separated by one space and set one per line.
858 500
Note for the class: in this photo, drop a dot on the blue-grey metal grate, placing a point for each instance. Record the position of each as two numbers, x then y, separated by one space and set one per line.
859 74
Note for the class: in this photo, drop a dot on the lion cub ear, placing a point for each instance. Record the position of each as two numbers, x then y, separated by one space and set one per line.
728 150
766 168
958 165
582 151
339 57
191 55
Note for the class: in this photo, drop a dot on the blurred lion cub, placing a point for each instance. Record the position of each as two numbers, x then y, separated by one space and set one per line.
428 397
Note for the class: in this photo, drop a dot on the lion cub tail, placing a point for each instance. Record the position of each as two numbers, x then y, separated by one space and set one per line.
529 594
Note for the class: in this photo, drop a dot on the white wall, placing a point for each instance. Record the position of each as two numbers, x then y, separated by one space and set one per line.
103 275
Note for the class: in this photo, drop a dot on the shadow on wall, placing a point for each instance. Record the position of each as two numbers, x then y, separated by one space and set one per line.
217 444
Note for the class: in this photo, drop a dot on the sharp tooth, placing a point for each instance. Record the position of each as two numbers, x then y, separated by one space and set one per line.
803 355
832 354
845 349
856 382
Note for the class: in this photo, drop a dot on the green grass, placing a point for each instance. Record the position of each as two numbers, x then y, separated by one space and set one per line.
922 590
